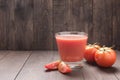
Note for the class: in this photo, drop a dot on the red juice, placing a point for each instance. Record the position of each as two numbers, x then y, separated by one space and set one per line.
71 46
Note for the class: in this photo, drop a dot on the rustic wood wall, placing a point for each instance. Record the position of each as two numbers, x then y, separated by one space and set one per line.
31 24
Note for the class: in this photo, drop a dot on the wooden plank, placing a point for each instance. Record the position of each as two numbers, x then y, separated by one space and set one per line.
116 23
43 26
11 28
4 16
3 54
62 17
102 21
24 24
34 68
82 16
12 64
90 72
31 24
116 69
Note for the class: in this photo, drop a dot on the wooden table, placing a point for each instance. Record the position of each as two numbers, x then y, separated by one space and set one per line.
29 65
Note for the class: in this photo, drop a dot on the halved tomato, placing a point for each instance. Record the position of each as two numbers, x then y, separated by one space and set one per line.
53 65
64 68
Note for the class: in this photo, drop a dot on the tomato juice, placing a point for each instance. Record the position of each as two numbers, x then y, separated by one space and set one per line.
71 46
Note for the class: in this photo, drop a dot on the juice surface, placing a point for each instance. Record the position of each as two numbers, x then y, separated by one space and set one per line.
71 47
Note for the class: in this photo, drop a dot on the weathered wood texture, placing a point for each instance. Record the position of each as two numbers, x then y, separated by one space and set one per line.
25 65
31 24
12 63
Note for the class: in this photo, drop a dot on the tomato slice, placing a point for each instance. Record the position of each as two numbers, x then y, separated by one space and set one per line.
64 68
52 65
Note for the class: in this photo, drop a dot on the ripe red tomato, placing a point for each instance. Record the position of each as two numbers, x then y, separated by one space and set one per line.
105 57
90 52
53 65
64 68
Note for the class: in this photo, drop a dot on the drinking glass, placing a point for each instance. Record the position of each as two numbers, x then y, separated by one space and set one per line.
71 46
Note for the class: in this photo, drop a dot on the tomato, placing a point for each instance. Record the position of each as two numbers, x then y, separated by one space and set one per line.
64 68
90 52
105 57
53 65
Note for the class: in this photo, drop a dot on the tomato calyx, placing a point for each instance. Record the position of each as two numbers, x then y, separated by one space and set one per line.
95 45
104 49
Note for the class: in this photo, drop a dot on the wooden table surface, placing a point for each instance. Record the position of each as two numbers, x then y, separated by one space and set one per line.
29 65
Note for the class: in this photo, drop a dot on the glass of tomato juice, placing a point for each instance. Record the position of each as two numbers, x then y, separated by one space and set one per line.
71 46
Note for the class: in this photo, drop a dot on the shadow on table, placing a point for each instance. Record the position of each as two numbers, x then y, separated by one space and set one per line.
50 70
76 73
109 70
113 69
90 64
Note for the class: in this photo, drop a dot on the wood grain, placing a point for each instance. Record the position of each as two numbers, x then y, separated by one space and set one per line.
82 16
24 24
3 54
29 65
11 64
34 68
117 66
43 26
102 20
32 24
62 17
116 23
4 17
72 15
99 73
11 28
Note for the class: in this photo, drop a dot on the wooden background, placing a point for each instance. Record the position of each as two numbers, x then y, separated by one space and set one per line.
31 24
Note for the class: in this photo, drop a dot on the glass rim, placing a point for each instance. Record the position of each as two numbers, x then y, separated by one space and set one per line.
71 32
